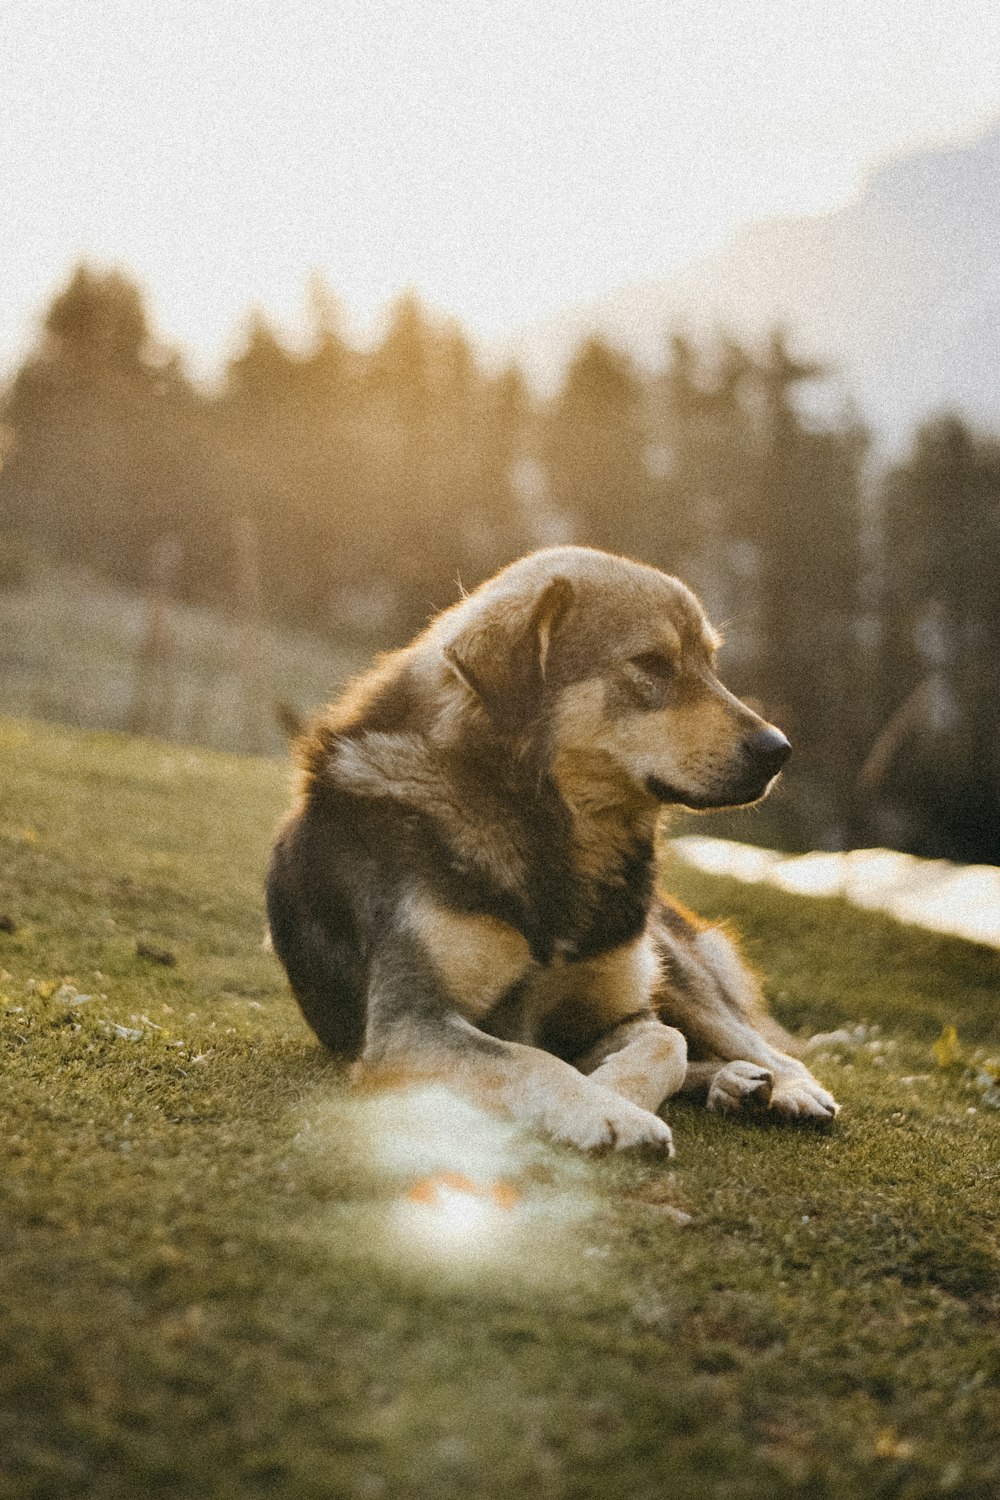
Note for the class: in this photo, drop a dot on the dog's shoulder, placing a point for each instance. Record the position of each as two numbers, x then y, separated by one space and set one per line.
371 744
382 701
405 757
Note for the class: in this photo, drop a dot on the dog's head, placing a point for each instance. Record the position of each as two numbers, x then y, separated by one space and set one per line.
614 662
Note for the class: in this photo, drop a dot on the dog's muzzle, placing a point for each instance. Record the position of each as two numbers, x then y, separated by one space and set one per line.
761 757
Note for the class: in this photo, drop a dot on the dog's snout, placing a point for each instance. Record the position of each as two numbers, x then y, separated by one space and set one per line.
768 749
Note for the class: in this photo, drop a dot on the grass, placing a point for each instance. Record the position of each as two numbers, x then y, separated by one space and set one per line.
209 1285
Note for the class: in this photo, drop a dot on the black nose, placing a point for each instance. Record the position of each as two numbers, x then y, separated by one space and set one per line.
768 749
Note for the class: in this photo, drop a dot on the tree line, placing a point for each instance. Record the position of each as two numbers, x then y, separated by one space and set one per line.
353 491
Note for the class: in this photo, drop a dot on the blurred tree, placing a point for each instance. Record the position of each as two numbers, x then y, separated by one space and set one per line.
506 442
443 506
703 468
761 514
371 483
594 449
99 320
287 425
401 517
941 784
106 457
802 517
263 377
330 367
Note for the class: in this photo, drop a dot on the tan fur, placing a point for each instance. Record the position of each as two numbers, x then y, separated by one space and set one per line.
626 979
601 754
577 1001
740 1056
608 812
477 957
536 1088
642 1060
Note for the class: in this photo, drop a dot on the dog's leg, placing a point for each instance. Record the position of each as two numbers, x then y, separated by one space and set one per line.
414 1032
728 1086
710 996
748 1066
642 1060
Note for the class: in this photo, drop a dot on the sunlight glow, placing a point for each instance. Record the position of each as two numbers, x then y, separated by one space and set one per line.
460 1207
474 1194
724 857
222 151
431 1132
450 1213
435 1188
963 900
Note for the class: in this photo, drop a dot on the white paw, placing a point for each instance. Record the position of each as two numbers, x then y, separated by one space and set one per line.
600 1120
740 1085
803 1099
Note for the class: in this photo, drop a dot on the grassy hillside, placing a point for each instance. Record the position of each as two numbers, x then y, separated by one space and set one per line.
72 650
214 1284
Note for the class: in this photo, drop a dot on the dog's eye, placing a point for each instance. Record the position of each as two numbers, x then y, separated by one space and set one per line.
648 677
654 664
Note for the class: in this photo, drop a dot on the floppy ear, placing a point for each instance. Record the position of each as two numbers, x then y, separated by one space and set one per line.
502 655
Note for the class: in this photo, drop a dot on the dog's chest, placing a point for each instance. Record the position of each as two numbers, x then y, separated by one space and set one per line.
565 1005
582 916
558 990
550 952
573 885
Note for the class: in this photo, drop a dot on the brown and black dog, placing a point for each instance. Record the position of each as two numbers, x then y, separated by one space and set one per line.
465 889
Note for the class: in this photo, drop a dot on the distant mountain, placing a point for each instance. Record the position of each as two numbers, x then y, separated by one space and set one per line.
899 290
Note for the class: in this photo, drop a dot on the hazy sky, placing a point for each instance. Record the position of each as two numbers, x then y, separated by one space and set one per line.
507 159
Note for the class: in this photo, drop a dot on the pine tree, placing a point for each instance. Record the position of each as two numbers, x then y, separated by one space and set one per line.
106 458
595 449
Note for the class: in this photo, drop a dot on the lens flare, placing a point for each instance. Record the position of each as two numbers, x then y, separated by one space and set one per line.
436 1191
449 1211
439 1188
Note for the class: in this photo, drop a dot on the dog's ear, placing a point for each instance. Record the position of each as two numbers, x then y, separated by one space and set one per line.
502 656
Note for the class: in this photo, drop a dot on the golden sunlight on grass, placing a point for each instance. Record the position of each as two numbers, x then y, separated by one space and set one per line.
963 900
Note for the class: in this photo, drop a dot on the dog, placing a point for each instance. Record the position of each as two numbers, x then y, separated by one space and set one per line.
465 889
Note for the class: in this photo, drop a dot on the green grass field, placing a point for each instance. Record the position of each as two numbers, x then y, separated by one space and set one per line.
213 1283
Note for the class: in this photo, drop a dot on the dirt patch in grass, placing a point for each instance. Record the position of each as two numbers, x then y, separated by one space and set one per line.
215 1281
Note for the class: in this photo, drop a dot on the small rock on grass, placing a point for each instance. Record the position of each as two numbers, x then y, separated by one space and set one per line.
154 954
657 1197
127 1033
7 923
675 1215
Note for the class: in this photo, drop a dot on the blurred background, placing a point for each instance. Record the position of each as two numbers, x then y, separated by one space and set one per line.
312 313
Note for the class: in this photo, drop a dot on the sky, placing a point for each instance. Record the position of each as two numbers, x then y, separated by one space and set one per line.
507 159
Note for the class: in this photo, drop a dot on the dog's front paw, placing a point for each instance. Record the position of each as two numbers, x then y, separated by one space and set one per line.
803 1099
740 1085
601 1120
